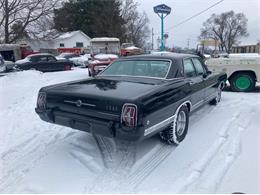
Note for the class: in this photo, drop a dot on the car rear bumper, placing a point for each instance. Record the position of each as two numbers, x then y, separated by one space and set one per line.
107 128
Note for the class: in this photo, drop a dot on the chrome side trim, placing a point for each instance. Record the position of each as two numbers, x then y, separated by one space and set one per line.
82 103
198 104
159 125
165 122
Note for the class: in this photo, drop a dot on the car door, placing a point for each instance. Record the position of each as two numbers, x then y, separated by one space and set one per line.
195 81
209 80
53 64
37 62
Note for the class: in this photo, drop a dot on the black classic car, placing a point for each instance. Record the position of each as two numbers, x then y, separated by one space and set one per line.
134 98
43 62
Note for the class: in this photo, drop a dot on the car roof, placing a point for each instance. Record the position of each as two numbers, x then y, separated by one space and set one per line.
172 56
40 54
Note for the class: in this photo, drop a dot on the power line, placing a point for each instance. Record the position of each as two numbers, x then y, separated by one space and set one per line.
195 15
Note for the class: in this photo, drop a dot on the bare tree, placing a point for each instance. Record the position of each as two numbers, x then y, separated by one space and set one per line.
136 24
227 28
17 15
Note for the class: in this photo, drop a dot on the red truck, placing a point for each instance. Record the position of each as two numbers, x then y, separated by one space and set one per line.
100 62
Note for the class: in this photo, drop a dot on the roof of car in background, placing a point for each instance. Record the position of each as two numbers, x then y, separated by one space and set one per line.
176 56
40 54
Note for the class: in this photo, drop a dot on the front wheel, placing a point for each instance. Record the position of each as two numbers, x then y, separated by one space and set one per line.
176 132
217 99
242 82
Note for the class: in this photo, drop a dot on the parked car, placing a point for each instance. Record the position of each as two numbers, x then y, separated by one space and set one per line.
128 49
43 62
67 56
5 66
100 62
134 98
82 61
242 73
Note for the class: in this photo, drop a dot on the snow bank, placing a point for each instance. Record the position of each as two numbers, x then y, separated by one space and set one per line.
239 55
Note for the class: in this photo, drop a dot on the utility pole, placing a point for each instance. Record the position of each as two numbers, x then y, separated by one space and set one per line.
152 38
188 43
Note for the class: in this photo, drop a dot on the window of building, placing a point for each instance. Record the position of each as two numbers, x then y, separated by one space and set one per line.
79 44
62 45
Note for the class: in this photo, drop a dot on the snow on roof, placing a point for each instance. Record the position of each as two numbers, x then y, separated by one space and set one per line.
71 34
105 56
104 39
245 43
9 46
132 48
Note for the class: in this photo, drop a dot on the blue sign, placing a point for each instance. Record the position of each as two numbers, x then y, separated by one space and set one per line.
162 9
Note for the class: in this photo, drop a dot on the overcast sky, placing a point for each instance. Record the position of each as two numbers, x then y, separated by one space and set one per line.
183 9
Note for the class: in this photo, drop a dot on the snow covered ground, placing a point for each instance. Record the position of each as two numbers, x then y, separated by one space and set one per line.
221 152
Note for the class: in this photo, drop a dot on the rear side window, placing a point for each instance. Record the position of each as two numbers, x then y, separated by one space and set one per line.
43 59
198 66
51 59
189 70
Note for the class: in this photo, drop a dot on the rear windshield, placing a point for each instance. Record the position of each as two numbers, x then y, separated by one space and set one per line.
142 68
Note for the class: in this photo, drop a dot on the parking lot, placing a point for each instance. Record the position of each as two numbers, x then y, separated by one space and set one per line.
37 157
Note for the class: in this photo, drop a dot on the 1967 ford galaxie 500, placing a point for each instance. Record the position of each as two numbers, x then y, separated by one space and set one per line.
134 98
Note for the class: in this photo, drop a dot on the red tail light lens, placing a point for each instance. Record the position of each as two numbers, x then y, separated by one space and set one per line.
41 101
129 115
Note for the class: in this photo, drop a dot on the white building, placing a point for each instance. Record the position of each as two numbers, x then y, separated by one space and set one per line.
74 39
105 45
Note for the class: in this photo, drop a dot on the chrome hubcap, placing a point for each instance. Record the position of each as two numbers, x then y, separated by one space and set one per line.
181 123
219 94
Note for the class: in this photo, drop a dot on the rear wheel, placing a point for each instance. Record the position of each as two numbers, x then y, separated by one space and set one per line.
176 132
242 82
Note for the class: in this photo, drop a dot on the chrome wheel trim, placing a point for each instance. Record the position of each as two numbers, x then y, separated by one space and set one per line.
181 123
219 93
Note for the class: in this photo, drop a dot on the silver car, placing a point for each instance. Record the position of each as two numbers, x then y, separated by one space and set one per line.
5 65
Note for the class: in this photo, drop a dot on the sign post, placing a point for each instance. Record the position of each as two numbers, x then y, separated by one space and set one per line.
162 11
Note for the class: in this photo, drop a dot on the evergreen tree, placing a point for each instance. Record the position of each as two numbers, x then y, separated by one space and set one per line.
95 18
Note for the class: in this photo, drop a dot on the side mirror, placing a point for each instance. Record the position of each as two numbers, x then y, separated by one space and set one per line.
209 72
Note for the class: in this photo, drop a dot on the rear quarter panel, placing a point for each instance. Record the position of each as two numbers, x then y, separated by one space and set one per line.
163 103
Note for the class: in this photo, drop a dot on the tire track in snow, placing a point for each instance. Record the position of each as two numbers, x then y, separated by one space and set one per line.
199 167
230 151
146 168
118 159
34 151
131 176
163 150
86 160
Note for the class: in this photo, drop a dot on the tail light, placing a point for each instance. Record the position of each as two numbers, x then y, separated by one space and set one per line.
67 67
41 101
129 115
